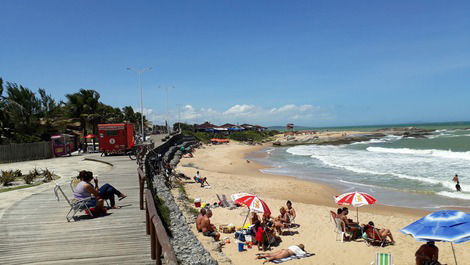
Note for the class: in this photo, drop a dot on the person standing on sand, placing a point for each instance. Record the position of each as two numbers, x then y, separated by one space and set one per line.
427 252
457 185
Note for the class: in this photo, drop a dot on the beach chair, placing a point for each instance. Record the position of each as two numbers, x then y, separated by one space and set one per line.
340 227
383 259
228 203
75 205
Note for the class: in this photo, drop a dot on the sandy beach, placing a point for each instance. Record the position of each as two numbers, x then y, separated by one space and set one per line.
228 172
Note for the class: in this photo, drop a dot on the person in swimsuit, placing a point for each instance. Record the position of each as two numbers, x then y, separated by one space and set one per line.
298 250
199 218
457 185
207 228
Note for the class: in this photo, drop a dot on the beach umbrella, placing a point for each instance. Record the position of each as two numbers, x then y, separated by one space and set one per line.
90 136
446 226
254 204
355 199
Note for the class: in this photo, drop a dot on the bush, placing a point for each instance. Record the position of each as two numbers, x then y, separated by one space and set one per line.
48 175
8 176
28 178
164 213
17 173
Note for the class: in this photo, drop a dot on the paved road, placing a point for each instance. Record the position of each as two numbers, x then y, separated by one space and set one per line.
34 230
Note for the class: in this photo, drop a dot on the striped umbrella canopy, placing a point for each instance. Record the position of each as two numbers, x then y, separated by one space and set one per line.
356 199
447 226
253 202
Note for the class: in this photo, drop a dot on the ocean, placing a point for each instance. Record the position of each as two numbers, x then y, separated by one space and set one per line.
406 172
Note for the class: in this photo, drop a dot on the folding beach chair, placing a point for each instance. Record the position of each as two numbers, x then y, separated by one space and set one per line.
340 227
75 205
383 259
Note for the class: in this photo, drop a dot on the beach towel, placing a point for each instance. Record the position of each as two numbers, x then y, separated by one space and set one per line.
277 261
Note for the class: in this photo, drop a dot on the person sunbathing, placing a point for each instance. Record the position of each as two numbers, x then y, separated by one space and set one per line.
297 250
378 234
199 218
281 221
207 228
200 180
290 211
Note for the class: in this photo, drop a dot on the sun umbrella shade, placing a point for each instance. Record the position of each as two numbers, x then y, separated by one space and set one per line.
90 136
448 226
254 204
356 199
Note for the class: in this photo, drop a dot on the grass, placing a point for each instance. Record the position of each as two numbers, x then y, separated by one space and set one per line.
164 213
19 187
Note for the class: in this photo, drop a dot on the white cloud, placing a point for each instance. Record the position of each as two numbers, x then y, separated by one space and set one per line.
244 113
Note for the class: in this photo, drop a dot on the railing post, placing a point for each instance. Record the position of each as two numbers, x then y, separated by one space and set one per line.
147 221
153 241
158 251
141 184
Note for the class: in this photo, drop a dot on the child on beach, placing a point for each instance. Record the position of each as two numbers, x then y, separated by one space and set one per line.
259 235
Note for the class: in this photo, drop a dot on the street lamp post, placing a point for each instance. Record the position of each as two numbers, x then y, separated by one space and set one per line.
139 73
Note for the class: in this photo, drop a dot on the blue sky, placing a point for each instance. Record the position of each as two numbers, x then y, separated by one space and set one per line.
317 63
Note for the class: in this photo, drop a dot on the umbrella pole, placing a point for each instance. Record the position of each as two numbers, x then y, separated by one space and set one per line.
453 251
246 218
357 214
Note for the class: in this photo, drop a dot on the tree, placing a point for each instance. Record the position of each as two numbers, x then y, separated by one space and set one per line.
84 106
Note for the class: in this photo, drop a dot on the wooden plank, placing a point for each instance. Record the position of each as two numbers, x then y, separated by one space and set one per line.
35 231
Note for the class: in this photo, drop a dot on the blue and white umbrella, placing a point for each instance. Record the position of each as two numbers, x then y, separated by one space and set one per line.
446 226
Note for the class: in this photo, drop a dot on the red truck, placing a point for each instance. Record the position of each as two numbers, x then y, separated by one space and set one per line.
116 138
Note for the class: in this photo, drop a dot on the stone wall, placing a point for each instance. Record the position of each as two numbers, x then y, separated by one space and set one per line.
187 247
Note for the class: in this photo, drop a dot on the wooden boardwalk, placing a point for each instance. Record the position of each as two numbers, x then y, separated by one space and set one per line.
35 231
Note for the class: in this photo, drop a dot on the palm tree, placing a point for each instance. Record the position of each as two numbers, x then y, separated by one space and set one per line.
84 106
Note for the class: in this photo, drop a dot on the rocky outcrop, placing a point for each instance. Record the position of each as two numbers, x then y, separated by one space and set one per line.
407 132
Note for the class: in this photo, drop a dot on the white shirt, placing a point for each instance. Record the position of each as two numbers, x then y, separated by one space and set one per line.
297 251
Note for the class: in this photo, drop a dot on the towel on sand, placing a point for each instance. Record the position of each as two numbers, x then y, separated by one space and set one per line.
277 261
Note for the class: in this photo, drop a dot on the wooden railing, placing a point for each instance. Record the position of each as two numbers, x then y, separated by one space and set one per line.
141 178
159 240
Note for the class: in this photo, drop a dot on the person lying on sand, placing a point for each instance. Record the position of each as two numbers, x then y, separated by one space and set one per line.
298 250
382 233
199 218
207 228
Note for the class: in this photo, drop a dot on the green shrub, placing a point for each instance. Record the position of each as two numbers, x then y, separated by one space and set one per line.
164 213
8 176
48 175
28 178
17 173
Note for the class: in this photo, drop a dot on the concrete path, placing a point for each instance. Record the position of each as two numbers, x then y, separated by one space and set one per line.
34 230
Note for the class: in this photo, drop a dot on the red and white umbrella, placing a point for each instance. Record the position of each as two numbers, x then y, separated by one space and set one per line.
356 199
253 202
